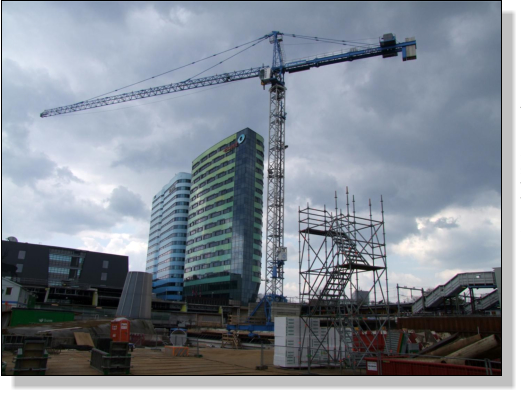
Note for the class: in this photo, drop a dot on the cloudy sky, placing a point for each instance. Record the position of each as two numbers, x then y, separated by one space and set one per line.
425 135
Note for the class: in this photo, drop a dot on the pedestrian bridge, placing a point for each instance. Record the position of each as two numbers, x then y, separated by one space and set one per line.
486 302
468 280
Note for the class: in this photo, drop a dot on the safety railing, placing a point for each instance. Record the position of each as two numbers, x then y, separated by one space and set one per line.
484 302
454 287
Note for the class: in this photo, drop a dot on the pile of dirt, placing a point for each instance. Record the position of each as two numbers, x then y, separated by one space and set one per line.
98 328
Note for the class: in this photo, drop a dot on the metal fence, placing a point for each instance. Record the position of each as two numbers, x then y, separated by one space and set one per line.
11 342
309 358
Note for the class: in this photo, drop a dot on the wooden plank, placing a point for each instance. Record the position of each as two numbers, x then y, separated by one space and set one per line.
147 362
70 363
83 339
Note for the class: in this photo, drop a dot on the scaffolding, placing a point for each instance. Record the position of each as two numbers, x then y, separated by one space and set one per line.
343 281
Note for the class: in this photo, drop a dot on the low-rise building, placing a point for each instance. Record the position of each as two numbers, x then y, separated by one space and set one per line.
65 276
14 295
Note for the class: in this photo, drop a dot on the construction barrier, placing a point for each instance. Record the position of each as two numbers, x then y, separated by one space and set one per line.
31 359
176 351
384 366
369 341
117 362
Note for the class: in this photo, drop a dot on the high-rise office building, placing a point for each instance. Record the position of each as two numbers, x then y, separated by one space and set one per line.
167 238
224 242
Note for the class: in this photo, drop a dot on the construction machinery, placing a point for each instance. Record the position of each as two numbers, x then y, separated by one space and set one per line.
273 76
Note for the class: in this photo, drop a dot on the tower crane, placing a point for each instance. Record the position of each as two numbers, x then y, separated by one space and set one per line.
273 76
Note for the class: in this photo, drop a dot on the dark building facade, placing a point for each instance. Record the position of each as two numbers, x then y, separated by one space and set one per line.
224 235
65 276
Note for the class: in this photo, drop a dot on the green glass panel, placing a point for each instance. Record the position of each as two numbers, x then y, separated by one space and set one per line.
209 280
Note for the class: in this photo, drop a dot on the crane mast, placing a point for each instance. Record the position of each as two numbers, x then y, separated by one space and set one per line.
276 252
274 268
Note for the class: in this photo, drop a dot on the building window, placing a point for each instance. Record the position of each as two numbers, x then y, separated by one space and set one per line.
8 291
105 264
103 276
19 268
21 254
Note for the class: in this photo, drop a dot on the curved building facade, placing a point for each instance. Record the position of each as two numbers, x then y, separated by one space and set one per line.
167 238
136 298
224 241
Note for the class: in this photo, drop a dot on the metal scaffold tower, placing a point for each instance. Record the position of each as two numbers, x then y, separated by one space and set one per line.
343 278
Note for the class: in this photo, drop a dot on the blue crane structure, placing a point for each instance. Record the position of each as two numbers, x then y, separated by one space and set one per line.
276 253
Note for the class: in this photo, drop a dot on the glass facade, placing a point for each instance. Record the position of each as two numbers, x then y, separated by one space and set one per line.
224 235
64 266
167 237
65 275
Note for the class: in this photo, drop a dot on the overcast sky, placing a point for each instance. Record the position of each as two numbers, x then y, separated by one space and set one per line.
425 134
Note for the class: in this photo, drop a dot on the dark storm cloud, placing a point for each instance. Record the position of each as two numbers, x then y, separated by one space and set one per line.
21 164
445 222
26 89
26 168
398 227
155 156
112 12
65 175
424 134
182 137
126 203
458 255
316 188
457 92
64 213
423 143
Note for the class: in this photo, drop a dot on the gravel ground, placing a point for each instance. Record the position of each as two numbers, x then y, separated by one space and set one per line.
146 362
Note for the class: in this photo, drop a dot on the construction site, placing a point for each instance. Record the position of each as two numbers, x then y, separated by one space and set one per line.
325 344
343 323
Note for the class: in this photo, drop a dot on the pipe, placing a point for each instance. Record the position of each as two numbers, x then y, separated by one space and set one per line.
438 345
472 351
455 346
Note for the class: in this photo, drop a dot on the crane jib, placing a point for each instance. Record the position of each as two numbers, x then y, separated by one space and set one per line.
155 91
290 67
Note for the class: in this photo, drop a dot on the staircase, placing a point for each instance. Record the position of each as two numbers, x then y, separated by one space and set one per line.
340 274
231 340
454 287
483 303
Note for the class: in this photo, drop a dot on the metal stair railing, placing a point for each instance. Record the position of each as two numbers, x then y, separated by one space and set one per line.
484 302
340 276
454 287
